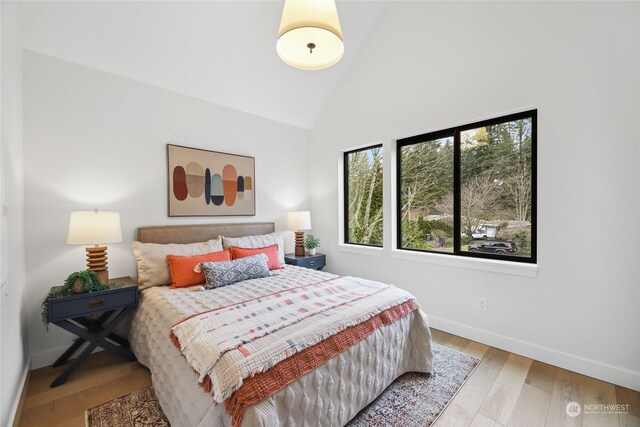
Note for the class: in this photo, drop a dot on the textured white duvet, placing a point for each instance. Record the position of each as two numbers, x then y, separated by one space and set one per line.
328 396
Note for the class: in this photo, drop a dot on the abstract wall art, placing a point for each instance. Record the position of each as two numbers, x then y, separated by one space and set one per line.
210 183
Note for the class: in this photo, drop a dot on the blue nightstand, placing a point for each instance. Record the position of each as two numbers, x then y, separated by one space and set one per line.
71 312
316 262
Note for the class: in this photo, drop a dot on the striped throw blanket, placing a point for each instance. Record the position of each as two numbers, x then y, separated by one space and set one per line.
229 344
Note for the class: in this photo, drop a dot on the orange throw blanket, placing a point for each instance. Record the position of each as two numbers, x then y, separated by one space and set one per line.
265 384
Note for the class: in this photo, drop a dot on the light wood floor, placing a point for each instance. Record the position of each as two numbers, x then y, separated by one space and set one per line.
505 390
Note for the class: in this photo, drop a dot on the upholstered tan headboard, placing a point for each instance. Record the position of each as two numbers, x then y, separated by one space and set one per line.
201 232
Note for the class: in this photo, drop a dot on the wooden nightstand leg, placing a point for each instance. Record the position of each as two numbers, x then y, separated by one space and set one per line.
118 339
69 352
123 349
62 378
100 338
91 325
96 336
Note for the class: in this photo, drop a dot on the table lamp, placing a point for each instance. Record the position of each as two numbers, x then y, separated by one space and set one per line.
298 221
95 228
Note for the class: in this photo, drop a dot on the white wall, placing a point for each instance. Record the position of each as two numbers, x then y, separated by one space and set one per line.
219 51
97 140
13 323
432 65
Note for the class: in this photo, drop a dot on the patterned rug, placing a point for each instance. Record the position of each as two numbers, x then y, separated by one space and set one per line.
420 398
137 409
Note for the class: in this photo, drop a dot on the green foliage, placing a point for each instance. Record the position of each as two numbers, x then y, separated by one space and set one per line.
412 236
444 227
440 234
365 212
503 148
415 237
426 176
522 239
311 242
415 233
90 282
520 236
503 152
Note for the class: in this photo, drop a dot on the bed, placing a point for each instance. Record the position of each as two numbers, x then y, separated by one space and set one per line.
329 395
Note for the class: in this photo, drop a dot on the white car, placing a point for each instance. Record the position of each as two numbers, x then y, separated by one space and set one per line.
488 233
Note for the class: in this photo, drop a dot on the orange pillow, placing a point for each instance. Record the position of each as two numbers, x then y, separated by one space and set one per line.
181 267
270 251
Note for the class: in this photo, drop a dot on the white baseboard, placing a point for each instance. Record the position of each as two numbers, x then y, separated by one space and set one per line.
16 400
46 358
571 362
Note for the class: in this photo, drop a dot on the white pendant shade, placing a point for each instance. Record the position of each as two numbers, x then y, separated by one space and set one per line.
310 37
92 228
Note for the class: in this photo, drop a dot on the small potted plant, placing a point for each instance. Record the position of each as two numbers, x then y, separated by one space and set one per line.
311 243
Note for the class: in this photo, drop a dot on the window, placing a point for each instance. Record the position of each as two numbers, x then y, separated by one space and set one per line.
363 196
470 190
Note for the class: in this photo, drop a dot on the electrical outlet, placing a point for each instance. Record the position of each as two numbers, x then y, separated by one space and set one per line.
482 304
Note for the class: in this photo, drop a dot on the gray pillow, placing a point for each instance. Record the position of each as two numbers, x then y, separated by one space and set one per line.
225 273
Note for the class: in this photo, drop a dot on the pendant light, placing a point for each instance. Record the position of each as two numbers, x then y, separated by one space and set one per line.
310 37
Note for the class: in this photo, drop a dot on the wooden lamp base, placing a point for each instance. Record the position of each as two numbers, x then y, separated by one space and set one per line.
97 261
299 243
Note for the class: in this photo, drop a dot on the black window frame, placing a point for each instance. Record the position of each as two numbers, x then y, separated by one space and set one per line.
345 190
455 133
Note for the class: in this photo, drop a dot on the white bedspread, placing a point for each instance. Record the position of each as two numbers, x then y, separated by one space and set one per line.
330 395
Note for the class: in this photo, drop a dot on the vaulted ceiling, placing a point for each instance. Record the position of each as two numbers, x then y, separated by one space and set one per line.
219 51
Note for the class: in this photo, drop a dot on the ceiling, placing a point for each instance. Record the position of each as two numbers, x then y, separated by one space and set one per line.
218 51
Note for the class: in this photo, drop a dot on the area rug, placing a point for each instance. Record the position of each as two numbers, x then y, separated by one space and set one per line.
137 409
413 399
416 399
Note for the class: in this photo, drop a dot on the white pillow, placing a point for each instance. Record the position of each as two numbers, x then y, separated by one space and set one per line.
259 241
153 269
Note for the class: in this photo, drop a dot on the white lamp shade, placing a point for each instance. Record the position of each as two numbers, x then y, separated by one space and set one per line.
93 228
299 220
310 37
